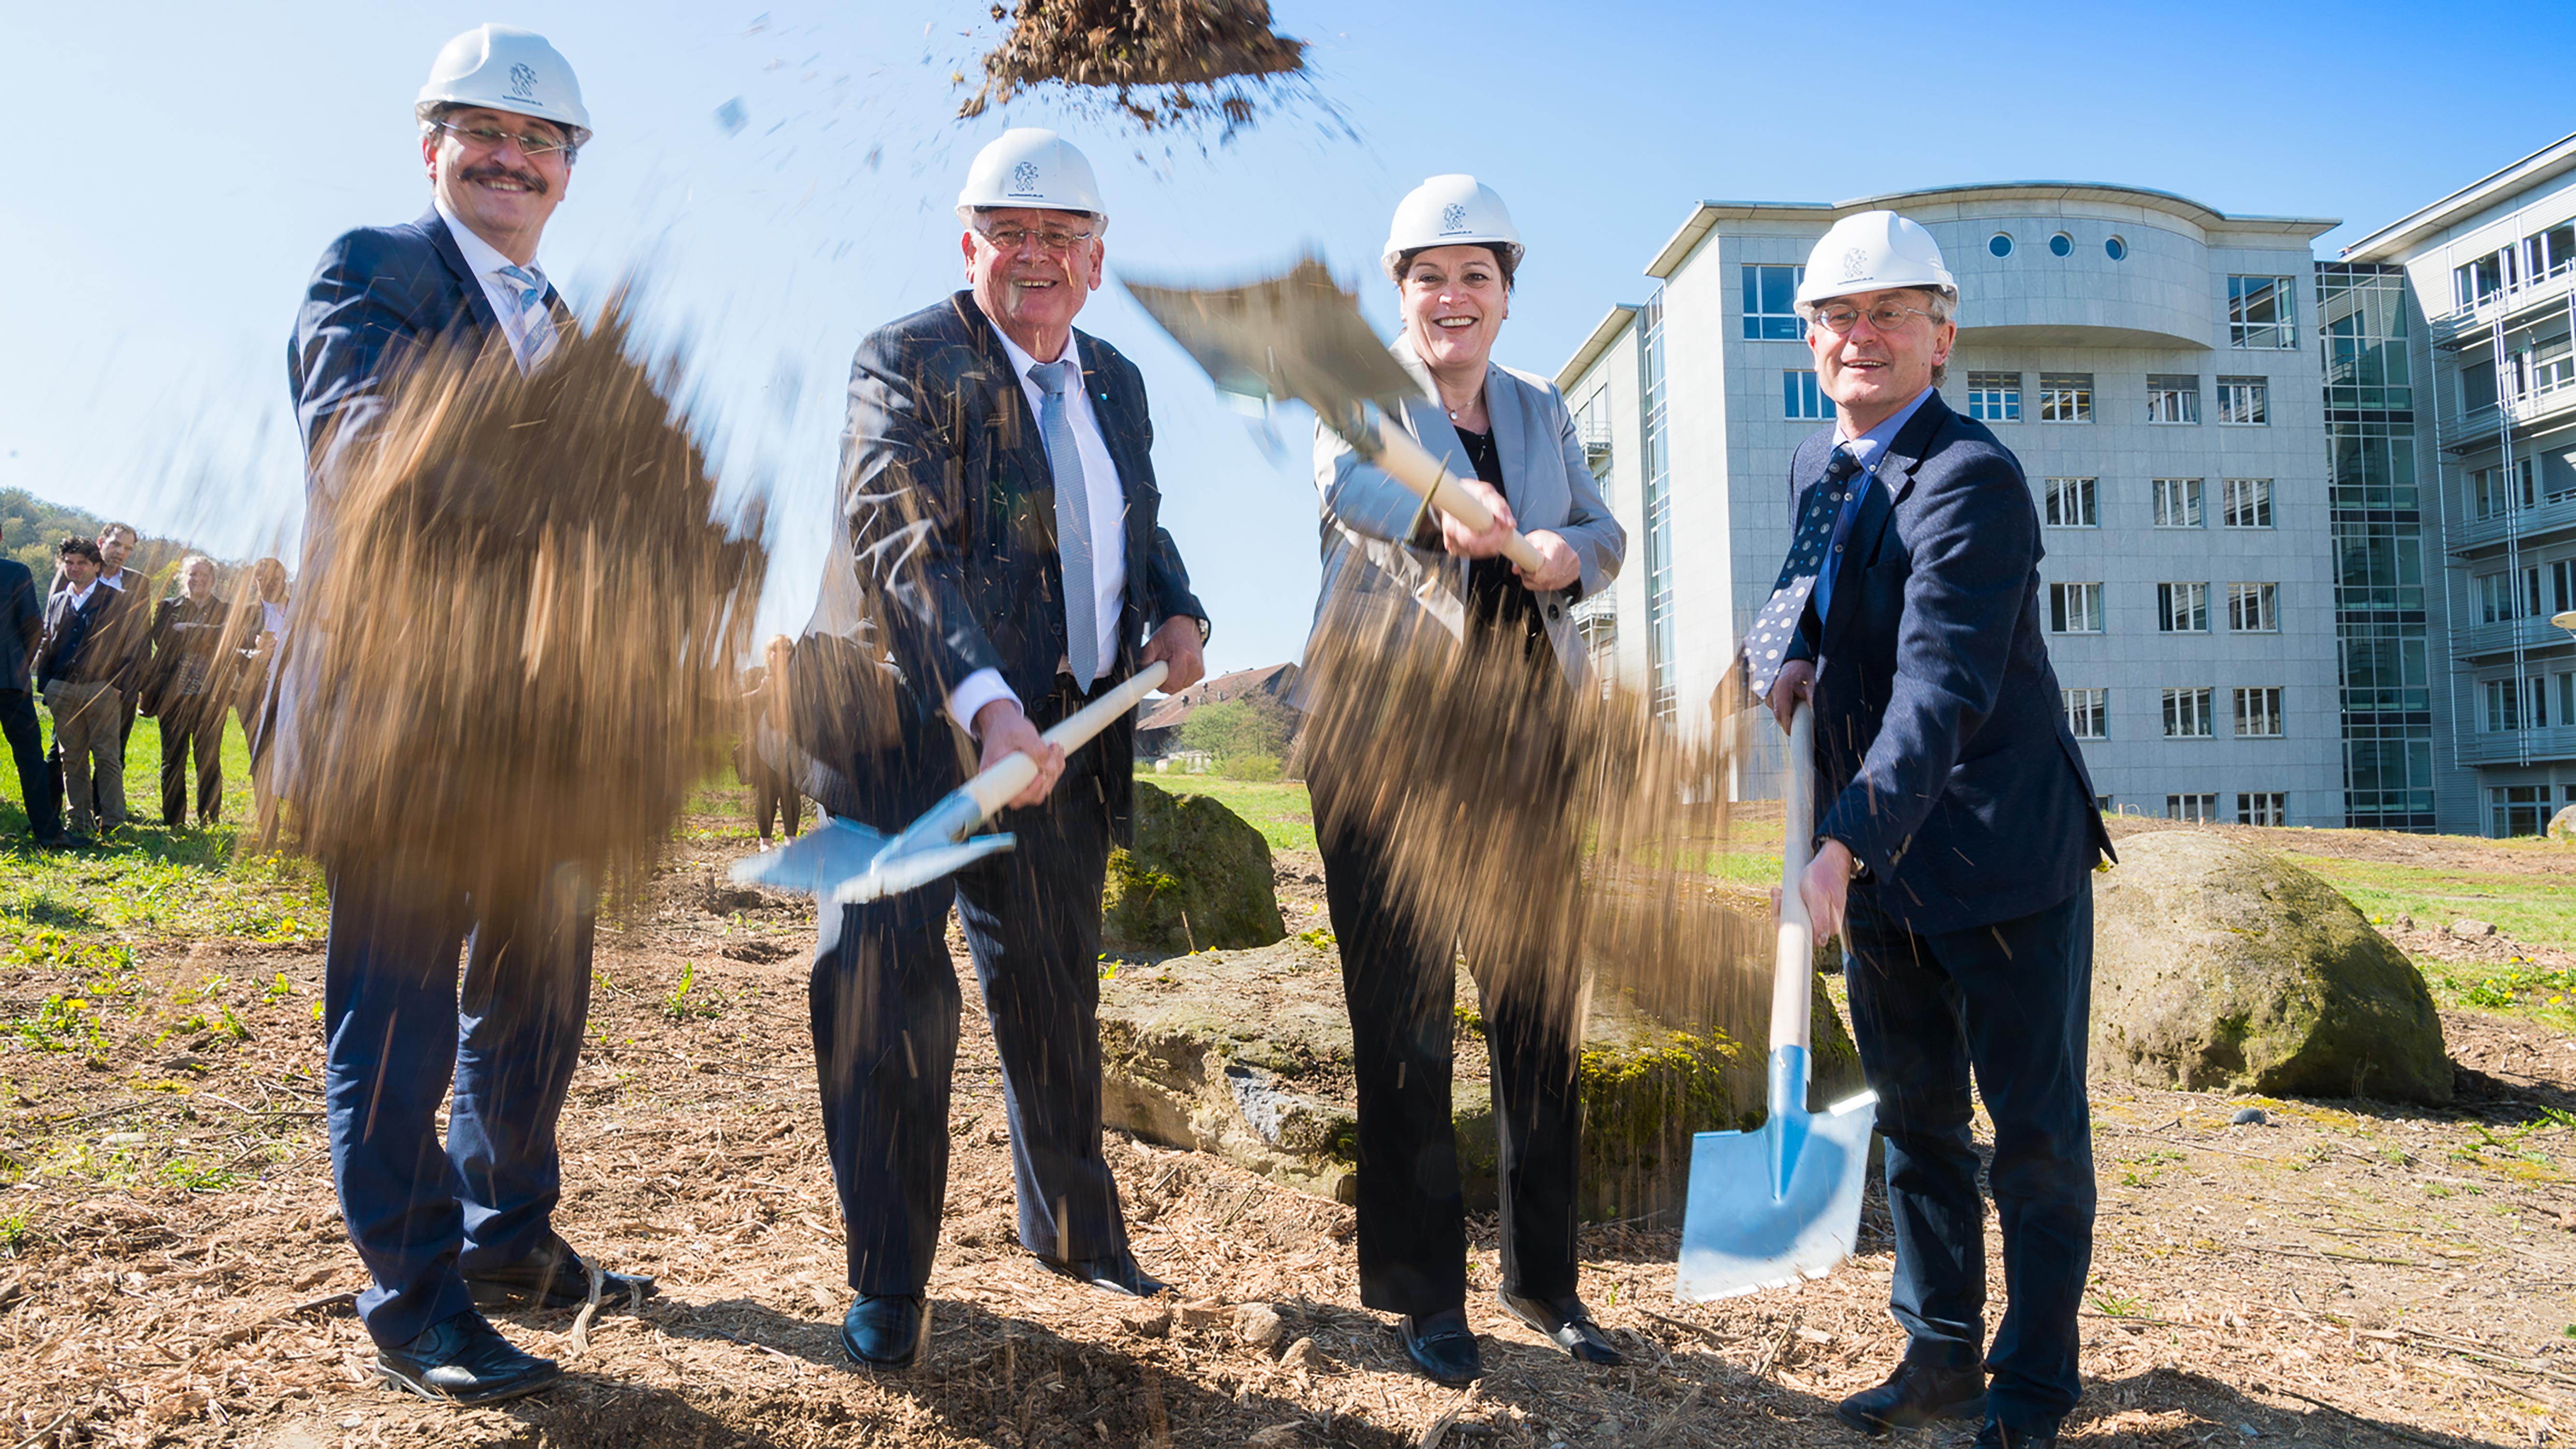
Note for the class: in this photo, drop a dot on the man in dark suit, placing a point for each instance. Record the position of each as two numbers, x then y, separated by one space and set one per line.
22 625
131 648
444 1229
997 543
79 667
1956 834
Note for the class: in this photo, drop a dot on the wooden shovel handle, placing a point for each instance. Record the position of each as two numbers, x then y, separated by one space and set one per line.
1792 994
996 787
1412 465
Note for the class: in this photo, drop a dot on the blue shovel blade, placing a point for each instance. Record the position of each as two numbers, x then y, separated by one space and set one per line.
1777 1204
816 862
891 874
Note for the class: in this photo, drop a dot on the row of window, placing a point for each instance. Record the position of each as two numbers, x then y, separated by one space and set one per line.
2536 701
2539 257
2077 502
2515 486
2262 312
2190 712
2067 397
2537 592
2259 807
2181 608
2060 244
2523 809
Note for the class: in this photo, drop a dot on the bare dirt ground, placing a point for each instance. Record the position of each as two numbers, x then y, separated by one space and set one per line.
2346 1273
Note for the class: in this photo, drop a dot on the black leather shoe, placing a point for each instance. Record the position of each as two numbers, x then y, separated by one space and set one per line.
1566 1323
1118 1275
1443 1347
464 1360
1997 1436
1915 1395
885 1330
552 1277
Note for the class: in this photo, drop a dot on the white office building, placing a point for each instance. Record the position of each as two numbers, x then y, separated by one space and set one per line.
2153 363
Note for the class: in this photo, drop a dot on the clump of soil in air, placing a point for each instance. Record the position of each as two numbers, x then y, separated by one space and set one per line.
530 623
1165 63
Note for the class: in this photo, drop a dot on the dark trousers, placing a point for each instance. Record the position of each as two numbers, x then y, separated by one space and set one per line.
400 1030
1399 980
774 798
192 726
2010 1003
37 783
886 1005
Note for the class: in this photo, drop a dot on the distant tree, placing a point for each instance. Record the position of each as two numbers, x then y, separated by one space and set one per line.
1256 724
31 528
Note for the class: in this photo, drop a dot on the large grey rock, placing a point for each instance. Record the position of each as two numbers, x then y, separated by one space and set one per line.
1247 1054
2219 966
1197 878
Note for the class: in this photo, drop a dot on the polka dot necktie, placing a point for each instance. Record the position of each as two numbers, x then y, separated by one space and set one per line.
1777 624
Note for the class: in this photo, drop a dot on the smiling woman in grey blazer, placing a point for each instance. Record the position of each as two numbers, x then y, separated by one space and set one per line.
1508 437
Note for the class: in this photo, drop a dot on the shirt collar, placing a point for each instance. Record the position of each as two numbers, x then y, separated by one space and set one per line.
1022 360
114 580
481 257
80 597
1866 448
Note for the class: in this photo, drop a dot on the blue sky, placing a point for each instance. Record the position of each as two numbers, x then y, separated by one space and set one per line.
173 171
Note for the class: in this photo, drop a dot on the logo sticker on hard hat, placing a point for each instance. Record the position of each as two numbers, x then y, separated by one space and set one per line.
1855 264
1024 178
1453 217
523 82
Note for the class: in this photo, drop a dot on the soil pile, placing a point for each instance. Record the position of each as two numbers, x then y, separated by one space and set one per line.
529 628
1167 62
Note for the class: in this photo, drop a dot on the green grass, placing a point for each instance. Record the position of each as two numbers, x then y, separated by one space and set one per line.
2537 909
1279 810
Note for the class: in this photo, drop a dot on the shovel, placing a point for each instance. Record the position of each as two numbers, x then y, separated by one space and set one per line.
1300 336
1782 1202
853 864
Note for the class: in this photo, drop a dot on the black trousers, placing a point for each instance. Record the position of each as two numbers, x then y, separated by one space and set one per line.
2012 1004
1399 980
38 785
886 1006
192 726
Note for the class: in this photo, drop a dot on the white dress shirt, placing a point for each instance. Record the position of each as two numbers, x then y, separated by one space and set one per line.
80 597
486 262
1107 498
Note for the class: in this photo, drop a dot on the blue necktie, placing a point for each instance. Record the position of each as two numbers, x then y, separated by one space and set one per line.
1072 519
530 289
1778 622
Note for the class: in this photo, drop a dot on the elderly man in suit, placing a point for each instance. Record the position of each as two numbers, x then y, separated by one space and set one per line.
1956 836
79 669
444 1228
22 627
997 543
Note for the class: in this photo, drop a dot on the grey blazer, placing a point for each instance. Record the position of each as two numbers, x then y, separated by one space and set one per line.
1368 519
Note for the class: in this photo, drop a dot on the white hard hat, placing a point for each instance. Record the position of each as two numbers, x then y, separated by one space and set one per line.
1455 210
1871 252
505 68
1031 166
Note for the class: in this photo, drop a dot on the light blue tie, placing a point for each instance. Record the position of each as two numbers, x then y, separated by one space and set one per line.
1072 519
531 291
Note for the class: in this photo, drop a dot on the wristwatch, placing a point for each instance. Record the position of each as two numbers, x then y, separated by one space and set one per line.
1205 629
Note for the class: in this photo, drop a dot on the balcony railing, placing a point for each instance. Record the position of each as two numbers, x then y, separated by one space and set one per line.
2549 406
1595 432
2465 326
2480 641
2554 515
2505 747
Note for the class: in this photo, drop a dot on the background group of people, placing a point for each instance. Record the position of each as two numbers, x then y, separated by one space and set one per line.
99 651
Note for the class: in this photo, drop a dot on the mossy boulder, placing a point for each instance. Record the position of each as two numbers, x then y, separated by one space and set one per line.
2217 966
1247 1054
1197 878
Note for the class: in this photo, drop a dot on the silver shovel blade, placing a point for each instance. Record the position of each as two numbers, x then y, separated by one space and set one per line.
1774 1205
892 873
1294 336
816 862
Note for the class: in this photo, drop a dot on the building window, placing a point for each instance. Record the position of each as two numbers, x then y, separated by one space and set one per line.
2549 253
2478 280
2066 397
2254 608
2188 715
2070 503
2182 608
2247 503
2000 244
2262 312
2177 502
2075 608
2519 809
2504 704
2193 809
1770 303
2495 492
2272 808
2258 713
2115 248
1802 400
1654 467
1994 397
2173 399
2244 402
2061 245
2088 713
2495 599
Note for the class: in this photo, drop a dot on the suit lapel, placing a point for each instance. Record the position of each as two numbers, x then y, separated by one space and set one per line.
1015 425
477 305
1122 426
1888 488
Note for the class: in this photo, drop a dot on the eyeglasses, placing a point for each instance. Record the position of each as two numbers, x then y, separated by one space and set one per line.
1840 318
531 144
1012 238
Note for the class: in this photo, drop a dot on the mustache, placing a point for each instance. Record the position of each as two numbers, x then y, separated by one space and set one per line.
494 171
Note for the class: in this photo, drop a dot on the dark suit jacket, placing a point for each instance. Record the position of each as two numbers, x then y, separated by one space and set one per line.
944 554
22 623
82 644
1943 760
382 299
